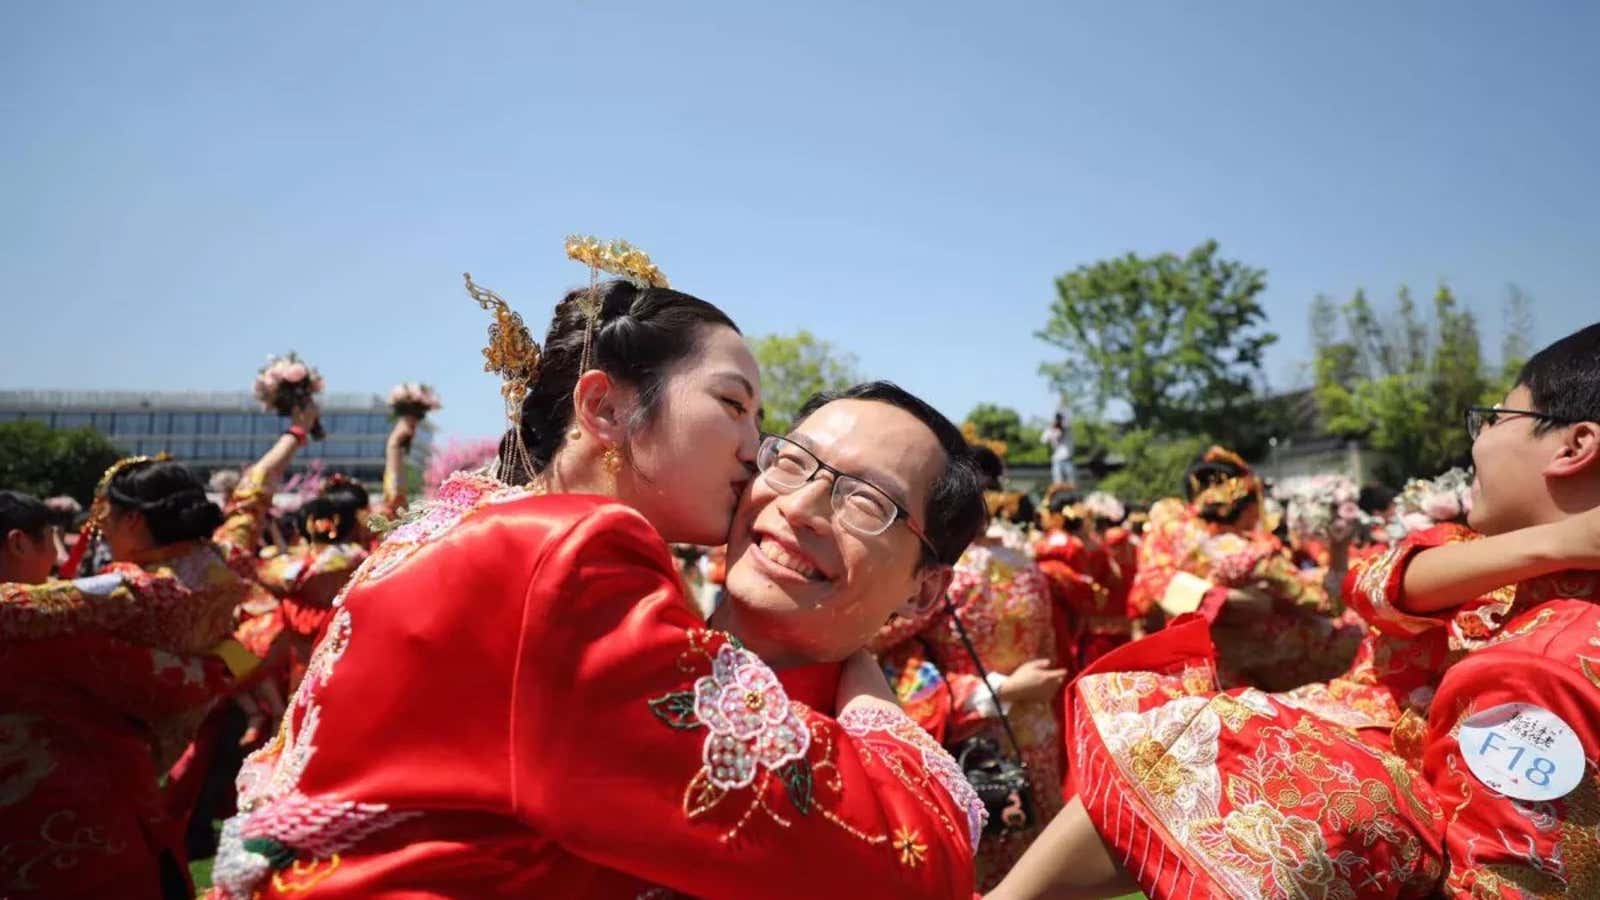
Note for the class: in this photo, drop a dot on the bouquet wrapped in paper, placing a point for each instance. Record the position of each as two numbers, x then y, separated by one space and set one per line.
413 399
1426 502
287 383
1322 507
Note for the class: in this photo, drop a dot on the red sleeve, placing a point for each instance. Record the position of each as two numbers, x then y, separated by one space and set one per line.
646 743
1374 587
1070 593
1500 847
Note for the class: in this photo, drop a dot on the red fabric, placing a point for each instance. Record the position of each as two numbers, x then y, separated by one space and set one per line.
1086 586
514 727
1499 847
82 721
1356 787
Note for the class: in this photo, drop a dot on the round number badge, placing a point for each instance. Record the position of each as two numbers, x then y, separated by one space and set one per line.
1522 751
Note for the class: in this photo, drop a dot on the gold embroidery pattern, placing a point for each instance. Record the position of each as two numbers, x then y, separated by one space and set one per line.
1296 807
909 843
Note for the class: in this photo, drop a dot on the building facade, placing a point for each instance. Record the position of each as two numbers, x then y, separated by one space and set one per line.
219 430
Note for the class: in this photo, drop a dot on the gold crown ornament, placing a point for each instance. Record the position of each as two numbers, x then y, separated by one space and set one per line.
616 257
514 355
1229 492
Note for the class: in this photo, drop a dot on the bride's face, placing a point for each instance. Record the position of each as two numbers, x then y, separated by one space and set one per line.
692 462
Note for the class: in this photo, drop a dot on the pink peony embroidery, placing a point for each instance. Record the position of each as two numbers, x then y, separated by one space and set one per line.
748 715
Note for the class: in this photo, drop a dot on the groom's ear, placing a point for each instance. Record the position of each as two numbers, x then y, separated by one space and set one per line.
932 582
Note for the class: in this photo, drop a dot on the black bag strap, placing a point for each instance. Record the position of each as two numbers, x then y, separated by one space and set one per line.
983 674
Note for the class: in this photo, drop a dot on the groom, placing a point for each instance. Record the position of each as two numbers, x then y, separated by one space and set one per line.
858 513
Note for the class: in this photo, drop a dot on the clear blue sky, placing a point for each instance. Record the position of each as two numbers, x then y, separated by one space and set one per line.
187 187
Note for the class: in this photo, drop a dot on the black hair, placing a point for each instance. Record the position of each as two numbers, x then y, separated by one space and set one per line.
25 513
1564 379
169 496
955 511
1203 474
1060 503
1060 500
640 335
1026 512
990 466
1375 498
340 502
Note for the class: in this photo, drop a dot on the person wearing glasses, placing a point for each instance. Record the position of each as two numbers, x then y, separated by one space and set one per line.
836 537
514 697
1455 759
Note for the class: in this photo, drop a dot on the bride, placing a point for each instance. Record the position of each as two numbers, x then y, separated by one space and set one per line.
514 697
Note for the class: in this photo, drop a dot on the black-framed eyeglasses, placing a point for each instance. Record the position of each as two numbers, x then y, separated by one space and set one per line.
1479 417
858 504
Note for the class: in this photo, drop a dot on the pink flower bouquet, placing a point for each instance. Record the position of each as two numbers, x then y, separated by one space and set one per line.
287 383
1426 502
413 399
1322 507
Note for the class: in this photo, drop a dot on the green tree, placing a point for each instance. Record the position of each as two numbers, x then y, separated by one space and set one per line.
1153 465
1002 423
795 367
1515 346
44 462
1400 382
1179 340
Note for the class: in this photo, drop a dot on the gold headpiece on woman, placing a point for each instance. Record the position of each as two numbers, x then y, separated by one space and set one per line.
1229 492
100 510
101 507
617 257
970 432
1007 504
513 354
1050 520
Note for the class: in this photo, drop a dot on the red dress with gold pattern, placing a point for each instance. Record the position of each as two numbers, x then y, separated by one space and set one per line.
1122 549
1168 536
1086 582
550 718
1308 637
1356 788
1003 601
103 682
305 579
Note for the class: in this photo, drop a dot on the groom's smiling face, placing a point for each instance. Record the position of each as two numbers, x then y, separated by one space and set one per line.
801 586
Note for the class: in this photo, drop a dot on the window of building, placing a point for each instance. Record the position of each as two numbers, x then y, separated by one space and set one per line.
127 423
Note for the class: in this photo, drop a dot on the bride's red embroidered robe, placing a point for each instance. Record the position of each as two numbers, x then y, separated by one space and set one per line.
515 699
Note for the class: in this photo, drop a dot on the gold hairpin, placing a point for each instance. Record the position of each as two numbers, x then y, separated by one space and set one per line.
511 353
100 508
618 258
514 355
1229 491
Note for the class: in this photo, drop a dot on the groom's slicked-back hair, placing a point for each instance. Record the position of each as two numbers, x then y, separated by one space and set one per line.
1564 379
955 512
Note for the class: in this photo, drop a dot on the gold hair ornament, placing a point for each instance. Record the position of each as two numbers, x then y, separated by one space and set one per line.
617 257
100 509
514 355
1230 492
